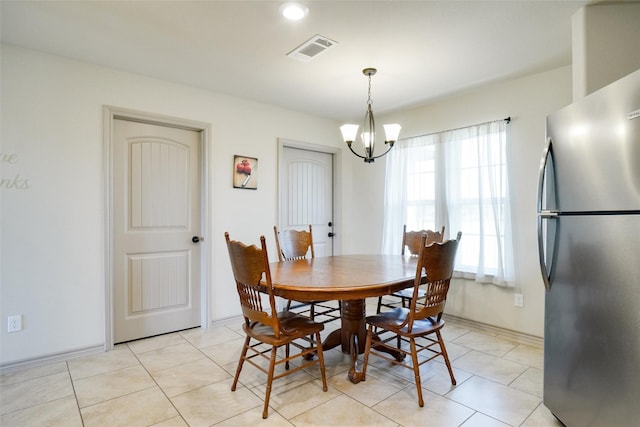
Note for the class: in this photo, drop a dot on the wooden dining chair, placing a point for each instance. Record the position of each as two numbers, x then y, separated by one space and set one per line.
411 241
417 324
298 244
263 324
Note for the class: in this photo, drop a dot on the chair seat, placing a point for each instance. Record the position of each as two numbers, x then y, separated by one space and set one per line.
292 326
392 320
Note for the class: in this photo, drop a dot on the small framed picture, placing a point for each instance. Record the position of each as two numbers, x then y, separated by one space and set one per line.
245 172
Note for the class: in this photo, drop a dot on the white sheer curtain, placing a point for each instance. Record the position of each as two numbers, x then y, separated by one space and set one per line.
458 179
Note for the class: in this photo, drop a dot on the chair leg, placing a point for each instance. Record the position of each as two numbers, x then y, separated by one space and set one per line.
416 370
272 365
243 354
321 362
286 356
367 347
288 305
443 350
379 305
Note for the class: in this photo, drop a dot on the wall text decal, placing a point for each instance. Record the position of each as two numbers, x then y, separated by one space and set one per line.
16 182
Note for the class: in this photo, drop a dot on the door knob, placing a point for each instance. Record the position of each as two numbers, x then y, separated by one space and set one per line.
196 239
331 234
330 224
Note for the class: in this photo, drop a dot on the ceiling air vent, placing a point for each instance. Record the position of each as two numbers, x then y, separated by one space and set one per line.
311 48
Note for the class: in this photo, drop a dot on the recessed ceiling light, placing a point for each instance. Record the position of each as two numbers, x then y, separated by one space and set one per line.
294 11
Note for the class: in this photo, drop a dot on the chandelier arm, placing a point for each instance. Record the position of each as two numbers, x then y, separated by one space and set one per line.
388 149
362 157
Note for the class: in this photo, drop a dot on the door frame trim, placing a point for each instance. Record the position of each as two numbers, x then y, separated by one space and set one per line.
110 113
336 154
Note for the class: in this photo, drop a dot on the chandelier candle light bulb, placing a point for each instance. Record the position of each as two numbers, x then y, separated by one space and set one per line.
368 135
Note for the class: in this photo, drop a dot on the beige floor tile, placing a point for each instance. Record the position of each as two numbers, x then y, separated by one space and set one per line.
60 412
24 374
144 408
298 400
454 350
120 357
335 362
207 337
172 422
282 385
369 392
170 356
435 377
453 331
225 353
531 381
481 420
254 417
403 408
341 411
35 391
491 367
107 386
189 376
542 417
155 343
498 401
527 355
485 343
214 403
251 376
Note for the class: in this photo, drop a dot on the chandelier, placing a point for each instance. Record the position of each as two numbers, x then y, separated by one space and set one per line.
368 135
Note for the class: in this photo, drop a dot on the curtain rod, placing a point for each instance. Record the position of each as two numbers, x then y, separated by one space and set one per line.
507 119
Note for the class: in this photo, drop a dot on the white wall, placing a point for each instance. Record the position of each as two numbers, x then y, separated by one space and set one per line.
52 233
604 45
527 101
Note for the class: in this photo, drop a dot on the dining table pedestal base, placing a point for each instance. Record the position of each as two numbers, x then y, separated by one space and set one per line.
352 335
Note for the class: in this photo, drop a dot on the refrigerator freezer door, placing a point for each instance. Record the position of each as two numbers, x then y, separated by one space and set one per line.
592 322
595 145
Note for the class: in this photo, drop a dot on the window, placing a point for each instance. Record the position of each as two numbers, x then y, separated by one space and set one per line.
458 179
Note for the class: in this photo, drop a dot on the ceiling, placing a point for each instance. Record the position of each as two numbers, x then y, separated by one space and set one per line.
423 50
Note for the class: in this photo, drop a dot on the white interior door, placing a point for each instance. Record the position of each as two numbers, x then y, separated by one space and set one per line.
156 208
307 195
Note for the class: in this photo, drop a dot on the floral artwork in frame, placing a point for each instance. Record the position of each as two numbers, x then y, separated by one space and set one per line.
245 172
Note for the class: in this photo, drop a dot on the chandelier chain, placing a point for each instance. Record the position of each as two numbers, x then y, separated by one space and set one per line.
369 101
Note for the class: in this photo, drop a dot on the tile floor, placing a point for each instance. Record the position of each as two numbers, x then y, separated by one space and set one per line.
184 379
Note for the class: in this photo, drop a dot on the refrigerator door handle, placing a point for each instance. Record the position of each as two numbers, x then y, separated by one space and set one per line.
546 152
543 215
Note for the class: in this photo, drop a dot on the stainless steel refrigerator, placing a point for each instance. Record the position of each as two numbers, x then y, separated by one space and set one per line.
589 244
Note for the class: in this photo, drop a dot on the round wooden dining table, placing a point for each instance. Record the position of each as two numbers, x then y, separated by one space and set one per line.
350 279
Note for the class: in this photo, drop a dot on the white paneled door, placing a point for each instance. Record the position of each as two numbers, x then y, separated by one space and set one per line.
307 195
156 209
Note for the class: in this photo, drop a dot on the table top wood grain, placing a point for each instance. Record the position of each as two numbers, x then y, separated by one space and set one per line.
342 277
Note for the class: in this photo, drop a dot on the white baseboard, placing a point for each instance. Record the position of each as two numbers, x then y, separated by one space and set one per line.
52 358
508 334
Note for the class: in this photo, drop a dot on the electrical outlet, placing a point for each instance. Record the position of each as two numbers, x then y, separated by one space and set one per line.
518 300
14 323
